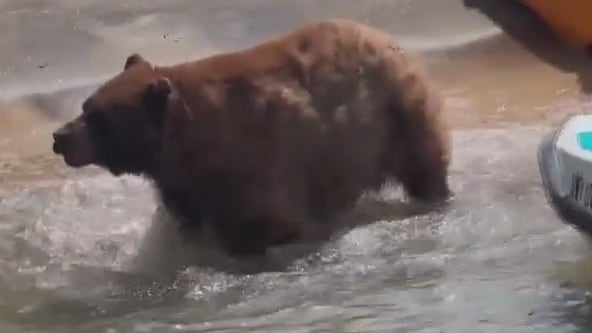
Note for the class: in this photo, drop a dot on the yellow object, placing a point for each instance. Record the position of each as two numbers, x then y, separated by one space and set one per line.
570 19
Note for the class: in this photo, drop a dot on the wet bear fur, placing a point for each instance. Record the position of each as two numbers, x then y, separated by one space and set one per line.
266 143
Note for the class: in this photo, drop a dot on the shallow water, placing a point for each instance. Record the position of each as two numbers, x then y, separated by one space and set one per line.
74 257
81 251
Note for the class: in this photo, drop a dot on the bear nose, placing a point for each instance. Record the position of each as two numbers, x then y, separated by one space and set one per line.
59 135
59 140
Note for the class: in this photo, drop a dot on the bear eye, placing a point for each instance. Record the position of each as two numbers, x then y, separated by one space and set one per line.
97 122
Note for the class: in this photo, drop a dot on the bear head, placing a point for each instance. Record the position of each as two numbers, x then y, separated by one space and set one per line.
121 123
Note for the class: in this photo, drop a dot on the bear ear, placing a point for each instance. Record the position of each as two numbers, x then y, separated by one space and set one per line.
156 98
132 60
159 89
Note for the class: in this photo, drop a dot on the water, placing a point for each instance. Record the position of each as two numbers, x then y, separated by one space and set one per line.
82 251
74 256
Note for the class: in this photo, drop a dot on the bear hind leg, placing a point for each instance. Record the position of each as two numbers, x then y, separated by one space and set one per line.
418 150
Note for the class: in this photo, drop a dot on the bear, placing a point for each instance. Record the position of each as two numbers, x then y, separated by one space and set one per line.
264 144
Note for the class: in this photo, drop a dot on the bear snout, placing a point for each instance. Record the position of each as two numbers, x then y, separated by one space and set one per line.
72 141
60 139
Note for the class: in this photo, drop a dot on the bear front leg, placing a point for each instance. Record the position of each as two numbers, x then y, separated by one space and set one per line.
185 207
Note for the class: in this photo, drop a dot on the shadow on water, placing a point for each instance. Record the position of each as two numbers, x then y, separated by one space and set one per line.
573 307
575 312
530 31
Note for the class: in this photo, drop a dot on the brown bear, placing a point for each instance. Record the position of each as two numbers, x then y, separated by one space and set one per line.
263 143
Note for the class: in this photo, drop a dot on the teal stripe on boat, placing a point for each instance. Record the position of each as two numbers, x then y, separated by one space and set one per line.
585 140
